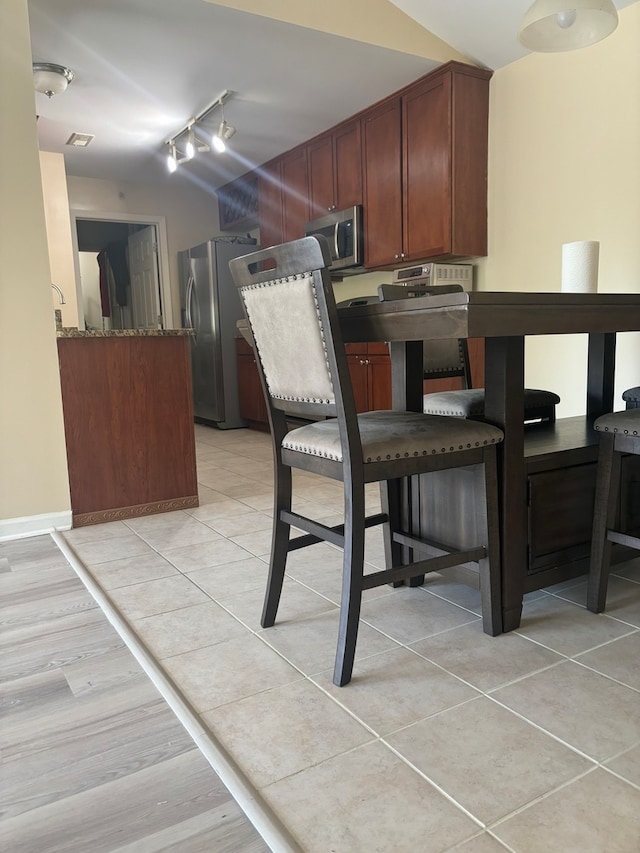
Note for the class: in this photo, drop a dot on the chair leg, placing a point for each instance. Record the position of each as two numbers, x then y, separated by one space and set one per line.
391 502
279 544
604 513
486 491
352 571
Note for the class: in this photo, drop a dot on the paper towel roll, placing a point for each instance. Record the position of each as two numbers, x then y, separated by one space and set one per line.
580 266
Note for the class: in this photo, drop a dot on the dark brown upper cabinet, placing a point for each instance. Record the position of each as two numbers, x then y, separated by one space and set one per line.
335 170
425 170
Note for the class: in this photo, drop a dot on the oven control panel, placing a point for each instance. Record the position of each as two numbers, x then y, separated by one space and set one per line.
434 273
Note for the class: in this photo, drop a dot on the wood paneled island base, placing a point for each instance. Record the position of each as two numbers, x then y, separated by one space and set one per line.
128 417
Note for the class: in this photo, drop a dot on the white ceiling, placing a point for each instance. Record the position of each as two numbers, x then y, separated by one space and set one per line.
144 67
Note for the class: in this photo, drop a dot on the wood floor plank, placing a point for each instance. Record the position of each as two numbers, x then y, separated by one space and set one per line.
28 648
126 810
92 757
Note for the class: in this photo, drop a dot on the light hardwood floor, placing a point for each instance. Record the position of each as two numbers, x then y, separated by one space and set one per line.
93 759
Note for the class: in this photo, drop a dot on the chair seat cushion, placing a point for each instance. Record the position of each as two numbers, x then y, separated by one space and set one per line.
632 395
469 402
394 435
627 422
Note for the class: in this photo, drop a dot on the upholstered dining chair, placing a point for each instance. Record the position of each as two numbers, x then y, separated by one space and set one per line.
450 358
619 434
632 397
294 325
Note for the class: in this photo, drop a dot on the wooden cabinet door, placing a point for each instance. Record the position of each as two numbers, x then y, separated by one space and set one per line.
347 165
444 165
270 205
382 172
379 382
335 170
469 156
295 194
321 177
359 381
370 369
250 397
426 170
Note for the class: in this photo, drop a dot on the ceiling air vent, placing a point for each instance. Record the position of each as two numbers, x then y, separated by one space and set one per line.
80 140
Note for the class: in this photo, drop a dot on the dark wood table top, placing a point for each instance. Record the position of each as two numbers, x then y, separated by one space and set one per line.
484 314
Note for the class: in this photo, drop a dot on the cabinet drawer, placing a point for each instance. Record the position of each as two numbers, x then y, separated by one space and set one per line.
561 511
560 515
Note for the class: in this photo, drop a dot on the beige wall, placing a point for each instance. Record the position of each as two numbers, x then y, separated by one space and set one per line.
191 214
564 165
56 213
33 470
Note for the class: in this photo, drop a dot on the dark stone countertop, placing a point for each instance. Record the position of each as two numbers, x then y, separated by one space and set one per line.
72 332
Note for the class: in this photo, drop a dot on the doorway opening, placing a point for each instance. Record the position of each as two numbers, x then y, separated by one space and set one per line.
121 271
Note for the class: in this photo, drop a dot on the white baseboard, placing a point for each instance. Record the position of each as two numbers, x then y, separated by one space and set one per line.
34 525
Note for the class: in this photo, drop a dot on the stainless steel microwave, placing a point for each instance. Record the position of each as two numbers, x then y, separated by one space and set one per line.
343 231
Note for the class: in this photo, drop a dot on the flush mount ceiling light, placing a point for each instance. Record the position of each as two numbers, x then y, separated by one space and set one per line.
186 139
550 26
51 79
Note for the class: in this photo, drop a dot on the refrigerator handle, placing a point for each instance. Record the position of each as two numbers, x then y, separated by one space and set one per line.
187 307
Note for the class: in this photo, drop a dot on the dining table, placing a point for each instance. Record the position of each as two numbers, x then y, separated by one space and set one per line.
505 320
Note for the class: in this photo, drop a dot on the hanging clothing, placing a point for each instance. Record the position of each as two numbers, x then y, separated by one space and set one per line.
117 254
103 264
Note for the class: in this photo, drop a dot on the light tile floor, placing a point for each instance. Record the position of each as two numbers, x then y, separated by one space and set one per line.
446 739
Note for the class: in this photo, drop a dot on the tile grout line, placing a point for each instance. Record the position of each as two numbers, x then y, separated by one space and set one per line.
266 822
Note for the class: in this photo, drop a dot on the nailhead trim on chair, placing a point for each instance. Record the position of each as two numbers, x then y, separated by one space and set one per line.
312 451
388 435
625 423
271 283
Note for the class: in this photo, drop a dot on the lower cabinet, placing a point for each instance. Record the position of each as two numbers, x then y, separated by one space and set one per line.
370 369
561 512
560 470
128 418
250 397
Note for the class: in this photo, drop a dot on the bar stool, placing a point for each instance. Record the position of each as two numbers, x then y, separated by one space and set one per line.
290 308
619 434
632 397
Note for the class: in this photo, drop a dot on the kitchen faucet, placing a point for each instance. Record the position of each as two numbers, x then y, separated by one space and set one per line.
63 301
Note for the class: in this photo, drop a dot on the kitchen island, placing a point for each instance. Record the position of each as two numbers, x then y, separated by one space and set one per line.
128 418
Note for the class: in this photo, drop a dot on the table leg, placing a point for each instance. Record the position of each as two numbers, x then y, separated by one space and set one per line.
601 373
406 394
504 407
406 375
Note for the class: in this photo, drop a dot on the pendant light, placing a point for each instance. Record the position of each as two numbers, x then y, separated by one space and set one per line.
551 26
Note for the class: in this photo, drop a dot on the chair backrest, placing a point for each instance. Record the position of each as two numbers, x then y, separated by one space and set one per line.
289 305
441 358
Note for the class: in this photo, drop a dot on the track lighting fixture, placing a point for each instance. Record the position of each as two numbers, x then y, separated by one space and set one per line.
186 141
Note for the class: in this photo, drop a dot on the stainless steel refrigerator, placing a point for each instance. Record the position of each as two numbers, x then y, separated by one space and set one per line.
210 305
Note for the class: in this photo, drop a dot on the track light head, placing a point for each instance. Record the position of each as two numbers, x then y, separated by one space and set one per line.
172 158
225 132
